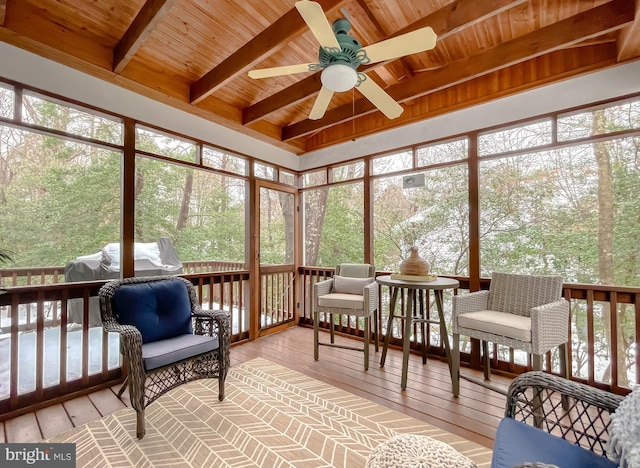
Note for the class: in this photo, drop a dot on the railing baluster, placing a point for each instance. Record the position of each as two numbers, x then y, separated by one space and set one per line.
15 352
590 339
613 324
240 305
636 306
40 345
85 336
567 296
221 301
64 321
281 293
271 293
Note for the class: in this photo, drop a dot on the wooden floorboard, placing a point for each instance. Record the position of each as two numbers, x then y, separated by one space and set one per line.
81 410
474 415
106 401
53 420
23 428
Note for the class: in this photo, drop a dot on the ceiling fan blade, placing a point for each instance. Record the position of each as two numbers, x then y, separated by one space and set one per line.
321 104
379 98
410 43
315 18
279 71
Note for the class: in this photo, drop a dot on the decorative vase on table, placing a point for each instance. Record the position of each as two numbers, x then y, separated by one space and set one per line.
414 265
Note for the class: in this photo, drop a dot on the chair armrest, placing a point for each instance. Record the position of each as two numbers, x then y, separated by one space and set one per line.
131 348
216 323
130 338
212 322
321 288
536 395
465 303
370 294
549 326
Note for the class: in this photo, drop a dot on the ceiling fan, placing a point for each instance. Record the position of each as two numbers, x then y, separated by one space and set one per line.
340 56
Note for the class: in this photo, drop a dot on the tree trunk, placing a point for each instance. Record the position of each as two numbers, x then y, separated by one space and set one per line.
286 205
315 209
605 243
186 201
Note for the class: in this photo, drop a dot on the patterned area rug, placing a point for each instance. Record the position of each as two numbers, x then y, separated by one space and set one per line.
271 417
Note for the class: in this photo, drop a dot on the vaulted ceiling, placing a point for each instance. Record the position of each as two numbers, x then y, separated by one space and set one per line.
195 55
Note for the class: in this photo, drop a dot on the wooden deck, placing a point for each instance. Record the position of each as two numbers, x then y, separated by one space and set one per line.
474 415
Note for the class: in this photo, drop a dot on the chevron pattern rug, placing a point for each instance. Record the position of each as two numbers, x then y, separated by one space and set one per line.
271 417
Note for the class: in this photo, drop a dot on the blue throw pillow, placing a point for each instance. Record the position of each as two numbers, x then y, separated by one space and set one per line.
517 443
159 309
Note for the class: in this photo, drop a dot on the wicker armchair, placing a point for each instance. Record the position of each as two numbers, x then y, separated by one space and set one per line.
166 339
523 312
352 291
577 435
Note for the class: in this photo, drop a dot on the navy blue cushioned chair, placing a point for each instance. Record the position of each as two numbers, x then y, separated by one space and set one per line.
576 435
166 339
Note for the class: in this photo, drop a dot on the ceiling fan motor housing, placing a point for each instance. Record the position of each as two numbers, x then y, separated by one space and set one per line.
350 52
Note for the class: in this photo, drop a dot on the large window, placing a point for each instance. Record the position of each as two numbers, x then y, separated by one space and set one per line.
223 161
392 163
200 212
154 141
334 225
573 211
624 115
276 227
544 205
7 101
515 138
60 199
434 217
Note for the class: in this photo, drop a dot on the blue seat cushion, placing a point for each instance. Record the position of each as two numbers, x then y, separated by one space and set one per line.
517 443
159 309
164 352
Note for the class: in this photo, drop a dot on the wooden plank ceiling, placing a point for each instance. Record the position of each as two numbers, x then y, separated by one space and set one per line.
195 54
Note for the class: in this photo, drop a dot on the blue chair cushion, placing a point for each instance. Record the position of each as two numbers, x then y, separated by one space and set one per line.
159 309
164 352
517 443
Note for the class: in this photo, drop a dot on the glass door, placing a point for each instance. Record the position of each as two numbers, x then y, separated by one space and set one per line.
276 254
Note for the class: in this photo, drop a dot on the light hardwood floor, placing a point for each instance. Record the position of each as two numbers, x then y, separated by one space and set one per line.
474 415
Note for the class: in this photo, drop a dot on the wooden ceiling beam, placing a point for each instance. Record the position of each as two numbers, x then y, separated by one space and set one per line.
291 95
600 20
404 65
459 15
264 44
447 21
3 11
629 38
140 28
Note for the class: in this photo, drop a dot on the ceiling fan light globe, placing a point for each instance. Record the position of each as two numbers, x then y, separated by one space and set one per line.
339 77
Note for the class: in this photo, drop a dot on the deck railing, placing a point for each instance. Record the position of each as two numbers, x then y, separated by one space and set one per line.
31 276
603 346
52 346
55 274
277 297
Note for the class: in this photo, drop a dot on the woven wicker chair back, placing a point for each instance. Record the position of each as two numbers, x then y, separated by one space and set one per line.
356 270
517 294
